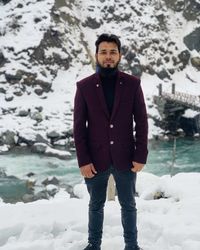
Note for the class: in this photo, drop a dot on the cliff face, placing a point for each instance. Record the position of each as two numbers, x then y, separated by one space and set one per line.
158 37
41 39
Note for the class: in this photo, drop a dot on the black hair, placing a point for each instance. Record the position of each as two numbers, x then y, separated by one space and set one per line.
107 38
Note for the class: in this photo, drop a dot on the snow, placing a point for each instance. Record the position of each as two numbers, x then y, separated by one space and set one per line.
4 148
170 223
20 38
56 151
190 113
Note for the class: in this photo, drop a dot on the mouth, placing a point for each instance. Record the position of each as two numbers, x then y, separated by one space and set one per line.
108 64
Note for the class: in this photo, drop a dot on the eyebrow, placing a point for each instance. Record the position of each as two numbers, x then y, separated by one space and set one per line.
108 49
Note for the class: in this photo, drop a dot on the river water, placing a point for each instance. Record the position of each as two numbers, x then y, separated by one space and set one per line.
160 162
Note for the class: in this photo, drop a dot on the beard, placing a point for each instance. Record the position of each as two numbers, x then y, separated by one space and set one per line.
106 71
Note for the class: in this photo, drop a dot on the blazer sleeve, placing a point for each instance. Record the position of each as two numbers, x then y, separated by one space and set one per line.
80 130
141 127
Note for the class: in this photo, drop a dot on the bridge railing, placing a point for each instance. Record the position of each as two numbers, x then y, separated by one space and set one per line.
188 99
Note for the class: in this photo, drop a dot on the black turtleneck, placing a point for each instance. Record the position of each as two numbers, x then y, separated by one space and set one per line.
108 85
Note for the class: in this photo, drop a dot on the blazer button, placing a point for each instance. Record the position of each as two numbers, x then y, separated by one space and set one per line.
111 142
111 125
97 85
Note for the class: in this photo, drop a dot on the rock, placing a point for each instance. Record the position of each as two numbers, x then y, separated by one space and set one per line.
2 59
130 55
18 92
30 174
192 40
191 10
39 148
46 86
22 140
53 181
5 1
167 59
176 5
19 6
137 70
171 71
40 139
28 198
37 20
2 173
39 91
159 195
69 189
91 23
53 134
184 57
163 74
51 189
60 154
37 116
23 113
28 78
9 98
39 108
41 195
30 183
2 90
13 78
196 62
8 138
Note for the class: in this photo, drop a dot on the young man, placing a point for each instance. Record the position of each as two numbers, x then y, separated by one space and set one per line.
110 132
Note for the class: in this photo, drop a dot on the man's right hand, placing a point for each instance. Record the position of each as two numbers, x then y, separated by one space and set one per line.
88 171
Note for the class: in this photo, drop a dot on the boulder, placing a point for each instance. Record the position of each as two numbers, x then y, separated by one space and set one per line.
192 40
195 61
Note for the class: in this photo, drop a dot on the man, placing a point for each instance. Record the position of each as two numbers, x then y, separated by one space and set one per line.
108 105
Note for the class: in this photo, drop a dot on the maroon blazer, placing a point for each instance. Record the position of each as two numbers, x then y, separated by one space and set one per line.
118 139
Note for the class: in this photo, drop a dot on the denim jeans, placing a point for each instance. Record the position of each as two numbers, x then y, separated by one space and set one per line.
97 186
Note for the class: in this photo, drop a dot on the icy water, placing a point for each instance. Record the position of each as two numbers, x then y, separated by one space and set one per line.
160 161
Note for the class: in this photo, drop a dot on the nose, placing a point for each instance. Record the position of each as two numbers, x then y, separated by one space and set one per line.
108 56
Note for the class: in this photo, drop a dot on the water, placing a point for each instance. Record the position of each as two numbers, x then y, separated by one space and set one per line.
159 163
187 157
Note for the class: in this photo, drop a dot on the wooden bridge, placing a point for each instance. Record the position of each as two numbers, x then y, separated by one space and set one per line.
187 100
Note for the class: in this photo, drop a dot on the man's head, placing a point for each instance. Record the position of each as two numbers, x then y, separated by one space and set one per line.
108 49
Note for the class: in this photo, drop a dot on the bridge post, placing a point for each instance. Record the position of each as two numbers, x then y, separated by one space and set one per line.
160 89
173 88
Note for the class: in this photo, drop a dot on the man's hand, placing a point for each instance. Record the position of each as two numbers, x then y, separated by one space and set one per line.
88 171
137 166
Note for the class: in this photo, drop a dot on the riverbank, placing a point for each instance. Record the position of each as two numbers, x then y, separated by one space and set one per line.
24 171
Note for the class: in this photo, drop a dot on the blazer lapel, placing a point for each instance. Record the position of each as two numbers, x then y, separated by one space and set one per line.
100 94
118 93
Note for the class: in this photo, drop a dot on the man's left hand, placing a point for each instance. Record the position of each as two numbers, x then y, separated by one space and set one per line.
137 166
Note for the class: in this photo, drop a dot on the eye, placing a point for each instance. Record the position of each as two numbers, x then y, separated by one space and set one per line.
102 52
113 52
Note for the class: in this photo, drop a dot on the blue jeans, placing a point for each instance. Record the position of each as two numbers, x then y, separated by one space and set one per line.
97 186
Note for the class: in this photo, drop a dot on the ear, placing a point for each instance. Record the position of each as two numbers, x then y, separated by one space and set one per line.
96 56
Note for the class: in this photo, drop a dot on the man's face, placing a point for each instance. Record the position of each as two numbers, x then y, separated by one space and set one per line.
108 55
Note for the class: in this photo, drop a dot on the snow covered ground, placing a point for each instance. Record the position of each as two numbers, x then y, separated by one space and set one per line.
170 223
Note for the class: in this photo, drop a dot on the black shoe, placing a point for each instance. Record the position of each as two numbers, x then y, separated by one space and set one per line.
132 248
92 247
